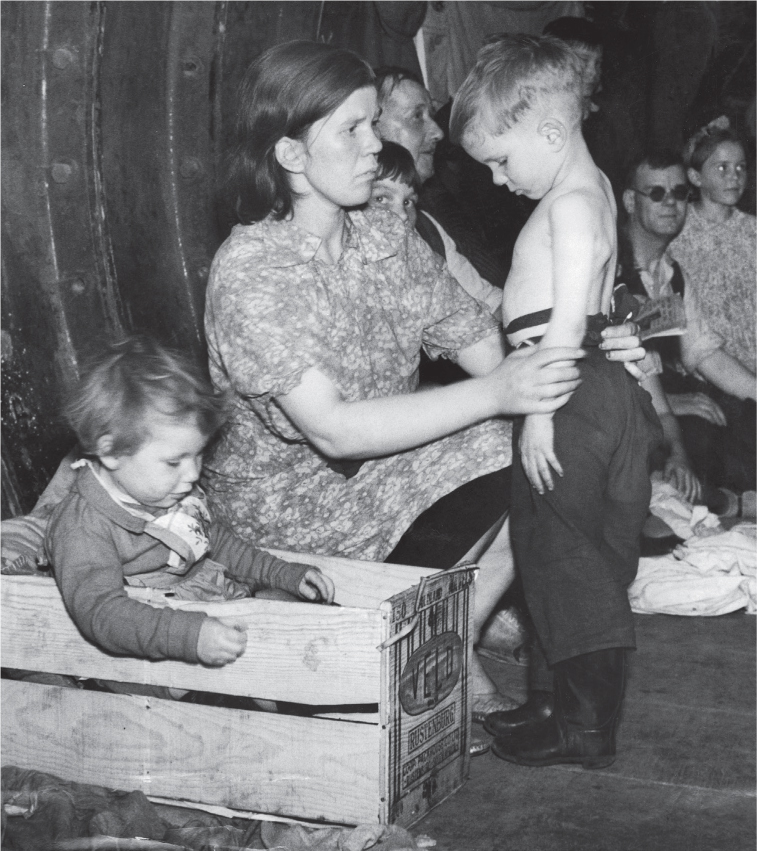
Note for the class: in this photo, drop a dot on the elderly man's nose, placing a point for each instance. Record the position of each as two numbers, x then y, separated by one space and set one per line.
435 131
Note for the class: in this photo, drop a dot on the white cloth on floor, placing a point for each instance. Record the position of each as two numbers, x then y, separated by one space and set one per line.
712 573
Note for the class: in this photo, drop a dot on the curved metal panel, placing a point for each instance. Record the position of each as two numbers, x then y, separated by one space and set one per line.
57 286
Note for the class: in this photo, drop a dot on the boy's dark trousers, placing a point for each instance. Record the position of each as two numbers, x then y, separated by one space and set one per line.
577 547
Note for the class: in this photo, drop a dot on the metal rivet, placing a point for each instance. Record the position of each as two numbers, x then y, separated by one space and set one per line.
61 172
62 57
191 66
190 168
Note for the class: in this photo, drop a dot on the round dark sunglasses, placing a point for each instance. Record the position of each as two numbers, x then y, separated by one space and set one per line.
660 193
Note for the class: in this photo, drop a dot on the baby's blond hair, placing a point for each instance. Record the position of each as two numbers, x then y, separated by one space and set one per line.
513 75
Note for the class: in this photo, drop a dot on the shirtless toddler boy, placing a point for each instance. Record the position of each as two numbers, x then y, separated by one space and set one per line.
581 485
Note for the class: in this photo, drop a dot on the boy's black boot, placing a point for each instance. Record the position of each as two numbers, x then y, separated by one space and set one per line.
588 696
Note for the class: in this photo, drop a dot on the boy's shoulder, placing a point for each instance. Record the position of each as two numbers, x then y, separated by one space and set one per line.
584 199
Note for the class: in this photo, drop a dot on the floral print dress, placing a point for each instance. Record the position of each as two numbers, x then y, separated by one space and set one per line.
718 262
273 311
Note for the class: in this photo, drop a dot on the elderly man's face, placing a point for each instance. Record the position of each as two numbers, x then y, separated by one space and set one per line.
664 218
406 119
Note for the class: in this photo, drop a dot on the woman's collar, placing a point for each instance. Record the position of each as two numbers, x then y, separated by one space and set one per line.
294 246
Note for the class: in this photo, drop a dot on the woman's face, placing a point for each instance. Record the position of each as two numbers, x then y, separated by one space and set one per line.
406 119
722 178
340 152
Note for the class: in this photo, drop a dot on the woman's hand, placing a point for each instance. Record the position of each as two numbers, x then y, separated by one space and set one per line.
697 405
535 381
622 344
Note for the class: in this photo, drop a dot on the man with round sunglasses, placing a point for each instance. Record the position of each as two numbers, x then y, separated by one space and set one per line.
655 200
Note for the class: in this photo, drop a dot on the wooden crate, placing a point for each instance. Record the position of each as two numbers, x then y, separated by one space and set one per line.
399 639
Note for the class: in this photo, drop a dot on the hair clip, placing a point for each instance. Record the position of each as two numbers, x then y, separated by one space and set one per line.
722 122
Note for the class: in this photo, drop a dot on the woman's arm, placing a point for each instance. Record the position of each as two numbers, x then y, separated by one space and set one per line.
728 374
523 382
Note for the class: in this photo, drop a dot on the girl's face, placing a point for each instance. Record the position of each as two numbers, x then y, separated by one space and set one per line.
340 152
397 197
722 178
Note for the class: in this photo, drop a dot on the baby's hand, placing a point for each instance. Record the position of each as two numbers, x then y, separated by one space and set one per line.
316 587
221 640
537 451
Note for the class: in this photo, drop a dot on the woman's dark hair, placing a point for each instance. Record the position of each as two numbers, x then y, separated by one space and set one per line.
396 163
285 90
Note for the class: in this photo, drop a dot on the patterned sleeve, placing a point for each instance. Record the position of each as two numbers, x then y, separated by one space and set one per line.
456 320
262 330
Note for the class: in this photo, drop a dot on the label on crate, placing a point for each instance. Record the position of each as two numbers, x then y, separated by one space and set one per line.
431 673
429 717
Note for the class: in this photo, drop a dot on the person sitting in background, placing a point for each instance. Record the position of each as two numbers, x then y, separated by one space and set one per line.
396 188
135 515
406 119
721 445
716 248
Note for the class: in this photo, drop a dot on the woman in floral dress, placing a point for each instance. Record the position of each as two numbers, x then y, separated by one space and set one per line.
316 315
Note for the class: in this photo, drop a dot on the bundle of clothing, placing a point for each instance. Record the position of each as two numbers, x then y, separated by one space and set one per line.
713 571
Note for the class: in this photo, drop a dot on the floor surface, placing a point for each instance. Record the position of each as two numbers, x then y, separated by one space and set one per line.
684 778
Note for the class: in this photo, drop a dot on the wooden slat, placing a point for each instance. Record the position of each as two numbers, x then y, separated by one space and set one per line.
364 584
281 764
296 652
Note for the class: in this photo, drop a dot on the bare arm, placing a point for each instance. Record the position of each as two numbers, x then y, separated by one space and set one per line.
696 405
579 255
369 428
678 470
728 374
578 261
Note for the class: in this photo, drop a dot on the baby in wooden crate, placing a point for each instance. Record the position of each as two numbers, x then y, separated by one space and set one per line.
135 515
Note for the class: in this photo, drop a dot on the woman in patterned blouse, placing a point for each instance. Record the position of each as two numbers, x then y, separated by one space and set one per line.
316 315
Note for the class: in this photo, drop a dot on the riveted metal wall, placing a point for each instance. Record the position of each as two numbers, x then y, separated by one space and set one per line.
114 120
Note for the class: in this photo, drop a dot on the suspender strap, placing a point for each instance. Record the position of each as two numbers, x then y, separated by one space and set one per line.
430 234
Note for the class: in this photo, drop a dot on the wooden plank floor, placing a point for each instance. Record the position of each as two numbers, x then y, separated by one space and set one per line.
684 779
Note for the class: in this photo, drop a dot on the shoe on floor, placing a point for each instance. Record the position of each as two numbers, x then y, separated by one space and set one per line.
485 704
536 709
479 745
504 638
